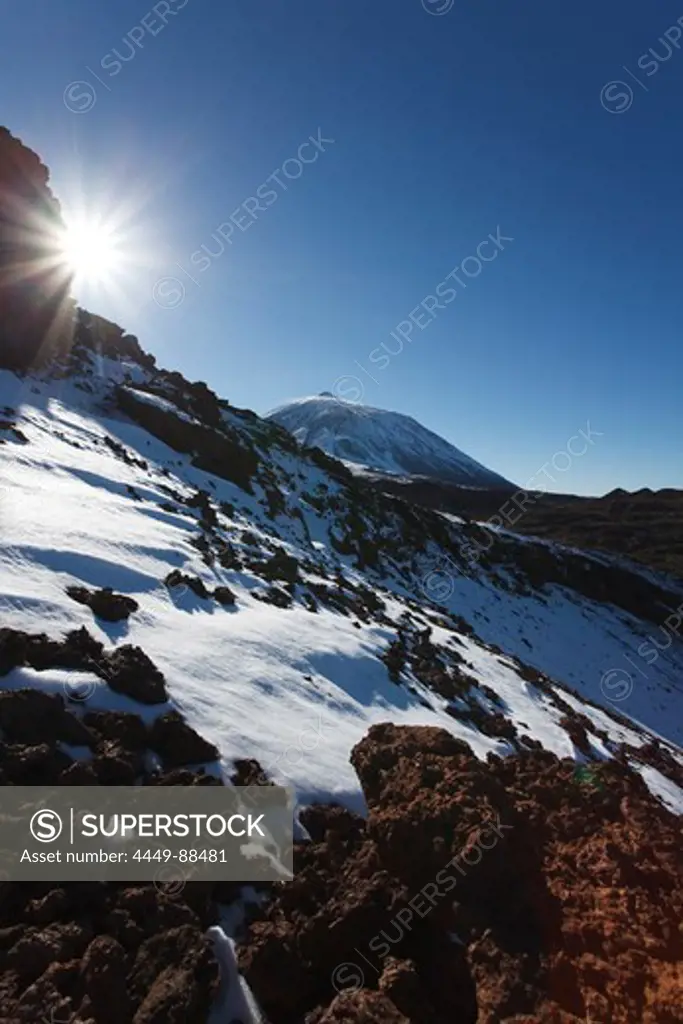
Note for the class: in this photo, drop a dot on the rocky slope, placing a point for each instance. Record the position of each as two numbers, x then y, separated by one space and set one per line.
644 526
209 593
188 596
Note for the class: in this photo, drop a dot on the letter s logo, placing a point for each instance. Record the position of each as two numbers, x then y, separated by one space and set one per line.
46 826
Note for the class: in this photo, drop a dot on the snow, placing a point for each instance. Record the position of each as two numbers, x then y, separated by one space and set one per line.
234 1003
668 792
295 689
573 640
371 438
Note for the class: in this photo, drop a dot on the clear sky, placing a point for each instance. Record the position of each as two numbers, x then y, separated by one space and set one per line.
451 121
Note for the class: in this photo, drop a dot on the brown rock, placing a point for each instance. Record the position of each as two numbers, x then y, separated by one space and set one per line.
104 604
174 978
177 743
39 765
36 950
362 1007
36 314
224 596
128 670
249 772
121 726
116 766
32 716
103 972
490 891
49 908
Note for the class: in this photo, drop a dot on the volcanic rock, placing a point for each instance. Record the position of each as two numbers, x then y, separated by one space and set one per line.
128 670
105 604
177 743
487 892
36 314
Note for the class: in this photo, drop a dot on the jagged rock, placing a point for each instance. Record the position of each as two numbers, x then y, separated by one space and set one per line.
249 773
212 449
174 977
121 726
36 314
177 743
575 727
275 596
122 453
401 983
128 670
364 1007
105 954
224 596
323 820
496 724
45 909
32 716
202 501
116 766
193 583
36 950
281 567
103 972
486 891
228 556
18 648
395 659
105 338
38 765
105 604
78 773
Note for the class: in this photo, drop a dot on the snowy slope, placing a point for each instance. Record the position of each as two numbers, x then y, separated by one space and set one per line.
295 687
387 442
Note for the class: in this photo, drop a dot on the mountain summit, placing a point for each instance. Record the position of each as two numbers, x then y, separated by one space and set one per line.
387 442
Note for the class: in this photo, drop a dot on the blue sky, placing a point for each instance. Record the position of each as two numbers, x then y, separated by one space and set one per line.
488 118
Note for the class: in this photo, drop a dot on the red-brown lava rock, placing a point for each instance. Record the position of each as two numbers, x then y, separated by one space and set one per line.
482 892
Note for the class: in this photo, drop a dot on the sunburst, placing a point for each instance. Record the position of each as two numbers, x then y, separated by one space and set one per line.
91 250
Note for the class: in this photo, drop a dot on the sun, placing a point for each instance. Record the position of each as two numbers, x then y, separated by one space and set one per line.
90 249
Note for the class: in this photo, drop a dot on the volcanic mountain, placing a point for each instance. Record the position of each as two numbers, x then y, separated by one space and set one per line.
387 442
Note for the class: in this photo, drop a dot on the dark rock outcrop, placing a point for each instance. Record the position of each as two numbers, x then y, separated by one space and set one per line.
36 314
32 716
105 338
177 743
225 596
212 449
104 604
98 953
176 578
128 670
124 728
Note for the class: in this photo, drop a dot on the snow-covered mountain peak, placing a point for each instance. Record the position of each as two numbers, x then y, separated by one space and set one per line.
376 439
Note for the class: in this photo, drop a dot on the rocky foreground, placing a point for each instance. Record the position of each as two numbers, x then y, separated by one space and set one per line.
485 892
488 892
